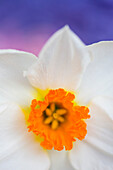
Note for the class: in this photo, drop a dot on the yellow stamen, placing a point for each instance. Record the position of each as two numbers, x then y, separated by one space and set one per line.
60 119
54 125
48 112
52 107
61 111
48 120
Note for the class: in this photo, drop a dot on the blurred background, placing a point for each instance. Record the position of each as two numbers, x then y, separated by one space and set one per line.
27 24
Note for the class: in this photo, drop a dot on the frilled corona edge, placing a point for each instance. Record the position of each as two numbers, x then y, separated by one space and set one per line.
58 120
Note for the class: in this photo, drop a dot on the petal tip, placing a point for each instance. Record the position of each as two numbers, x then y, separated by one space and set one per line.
66 29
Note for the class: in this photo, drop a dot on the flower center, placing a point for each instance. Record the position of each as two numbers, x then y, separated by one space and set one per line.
58 120
54 115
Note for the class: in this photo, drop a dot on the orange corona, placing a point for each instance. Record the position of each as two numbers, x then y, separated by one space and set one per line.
58 120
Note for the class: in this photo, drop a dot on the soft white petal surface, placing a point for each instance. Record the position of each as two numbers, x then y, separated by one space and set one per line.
13 85
18 149
61 62
60 160
98 78
96 151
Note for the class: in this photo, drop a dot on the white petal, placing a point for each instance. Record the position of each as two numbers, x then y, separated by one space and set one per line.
98 78
18 149
61 62
96 151
60 160
13 85
85 157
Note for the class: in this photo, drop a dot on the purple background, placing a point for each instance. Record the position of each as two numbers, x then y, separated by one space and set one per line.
27 24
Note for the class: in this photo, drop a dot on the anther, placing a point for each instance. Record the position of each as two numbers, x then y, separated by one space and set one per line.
52 107
48 120
55 124
48 112
60 119
61 111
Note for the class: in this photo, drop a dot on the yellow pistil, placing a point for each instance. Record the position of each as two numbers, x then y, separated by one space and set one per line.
55 115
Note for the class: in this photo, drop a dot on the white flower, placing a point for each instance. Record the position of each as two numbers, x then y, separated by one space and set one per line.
65 62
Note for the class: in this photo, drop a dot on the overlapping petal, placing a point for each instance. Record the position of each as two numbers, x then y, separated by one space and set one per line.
61 62
98 78
13 85
18 149
96 151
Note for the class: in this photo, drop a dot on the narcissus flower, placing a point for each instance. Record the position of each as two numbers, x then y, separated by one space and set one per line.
61 100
